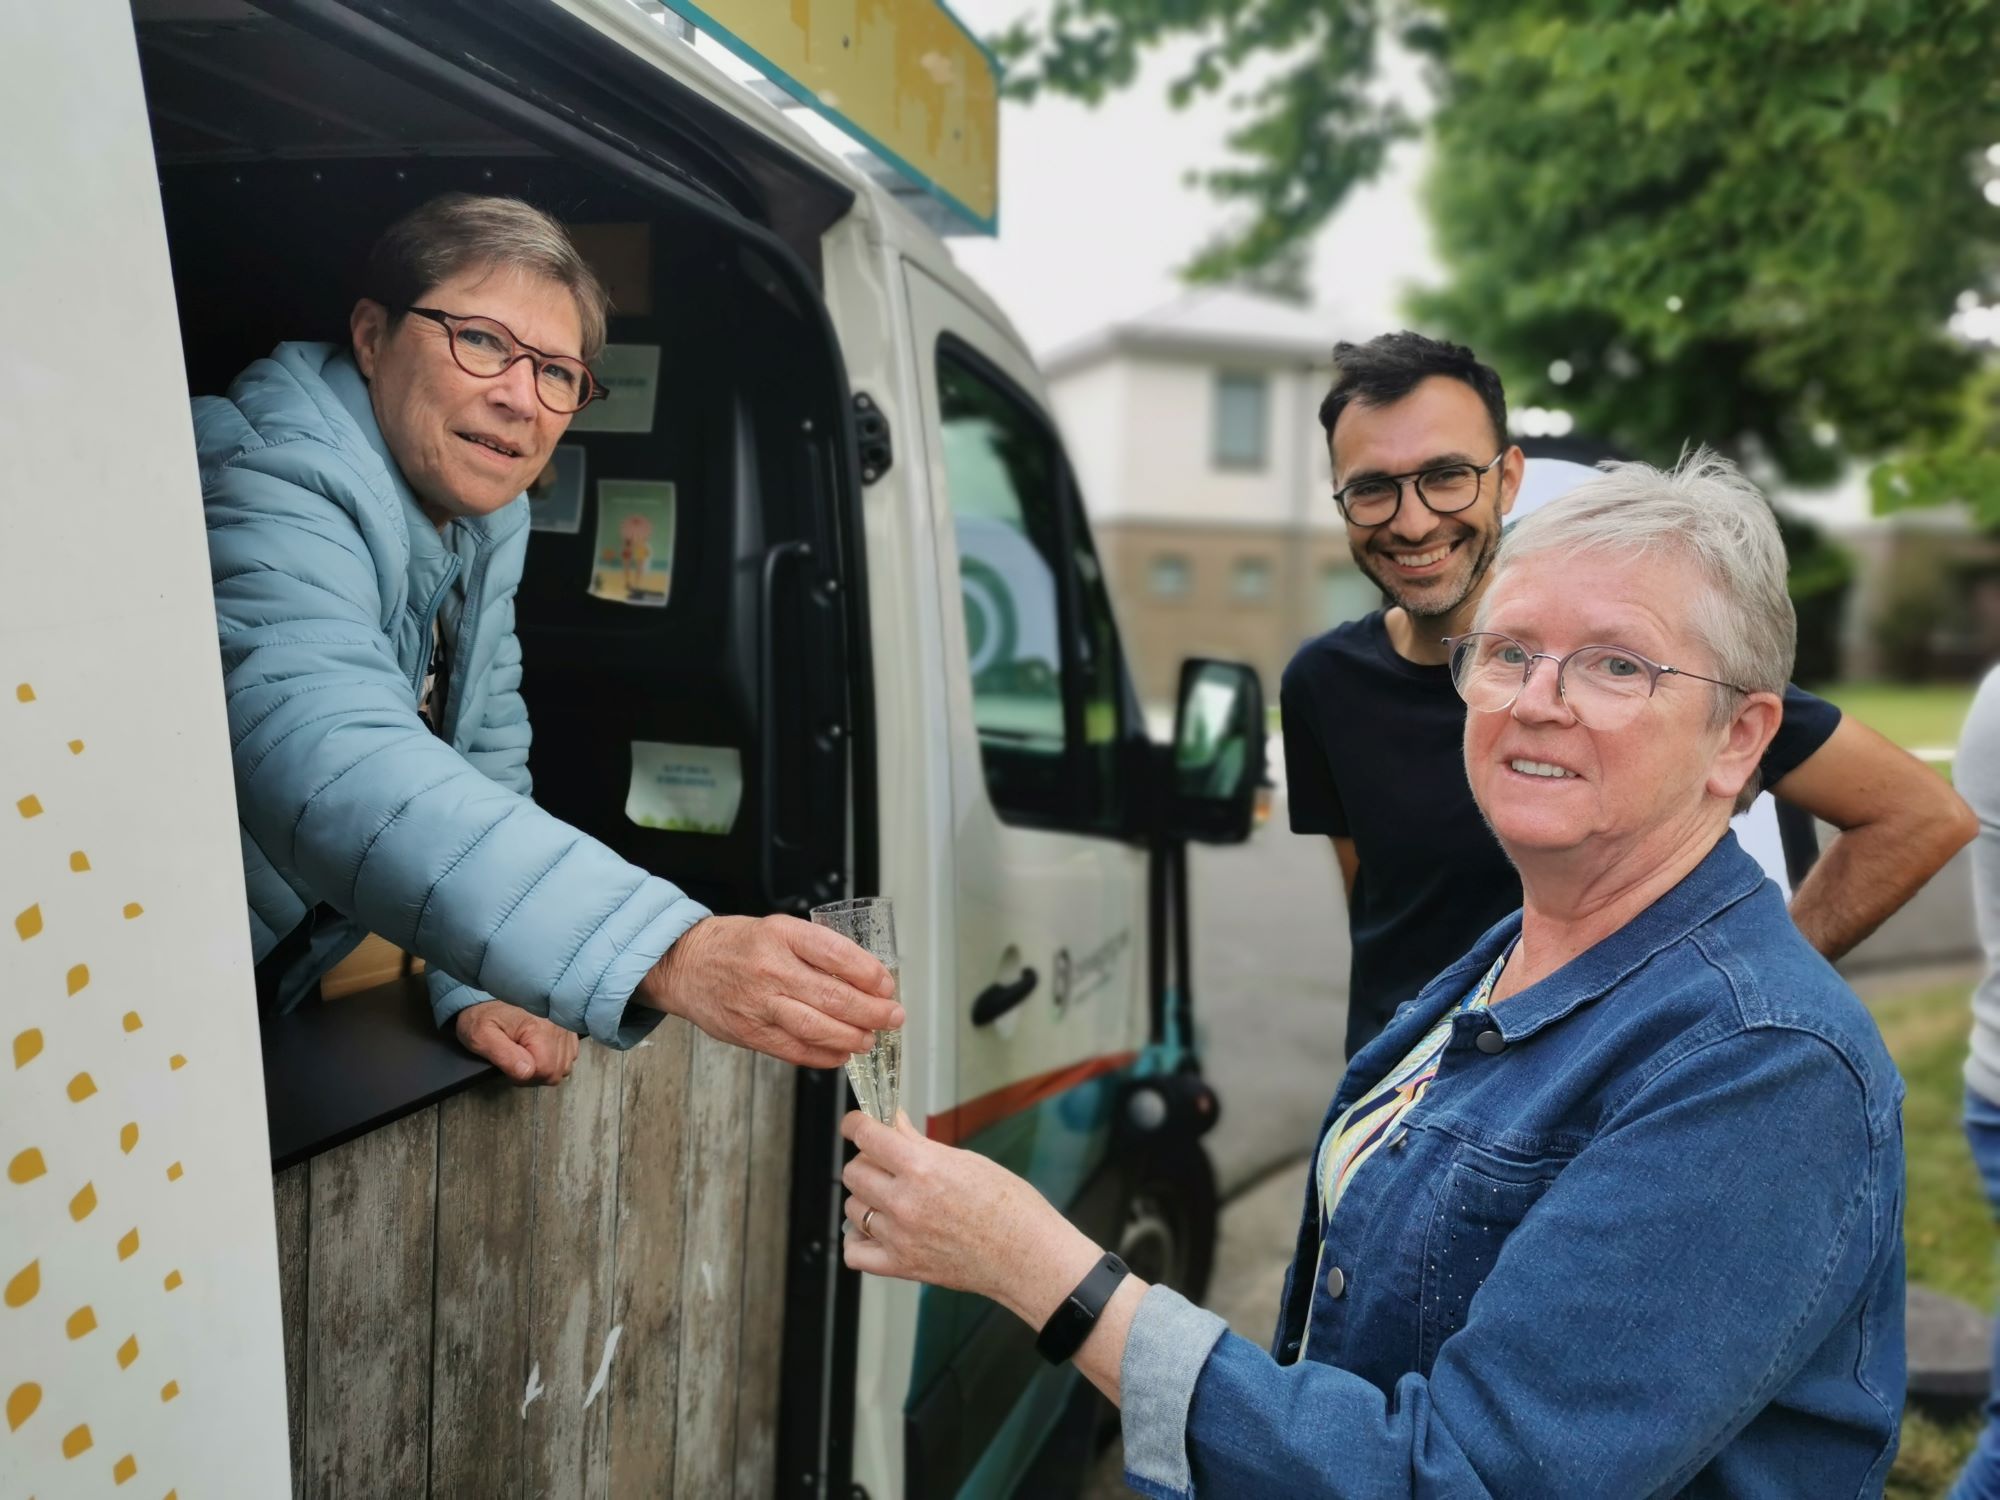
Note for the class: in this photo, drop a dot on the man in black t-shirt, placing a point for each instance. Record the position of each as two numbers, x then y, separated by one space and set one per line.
1424 475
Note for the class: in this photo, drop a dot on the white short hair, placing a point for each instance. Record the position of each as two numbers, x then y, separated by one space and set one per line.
1704 510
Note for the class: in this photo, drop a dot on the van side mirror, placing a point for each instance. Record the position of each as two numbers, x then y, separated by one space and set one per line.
1217 762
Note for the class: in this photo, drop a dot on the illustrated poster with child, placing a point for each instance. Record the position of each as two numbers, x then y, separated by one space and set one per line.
634 559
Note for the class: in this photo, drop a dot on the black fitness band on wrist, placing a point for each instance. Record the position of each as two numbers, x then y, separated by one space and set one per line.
1070 1324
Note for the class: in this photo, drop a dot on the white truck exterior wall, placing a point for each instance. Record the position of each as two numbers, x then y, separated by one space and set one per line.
136 1209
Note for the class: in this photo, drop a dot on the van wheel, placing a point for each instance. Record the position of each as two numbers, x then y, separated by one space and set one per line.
1166 1234
1168 1229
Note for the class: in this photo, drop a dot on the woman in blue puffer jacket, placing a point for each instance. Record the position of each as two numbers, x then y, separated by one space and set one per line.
367 531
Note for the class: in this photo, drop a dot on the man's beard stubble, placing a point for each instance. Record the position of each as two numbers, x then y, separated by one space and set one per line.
1429 606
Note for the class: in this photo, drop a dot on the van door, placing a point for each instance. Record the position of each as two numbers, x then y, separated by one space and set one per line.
1050 901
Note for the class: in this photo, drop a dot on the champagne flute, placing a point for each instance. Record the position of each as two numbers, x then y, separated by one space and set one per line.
877 1074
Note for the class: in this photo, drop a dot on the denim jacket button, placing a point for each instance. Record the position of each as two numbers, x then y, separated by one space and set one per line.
1490 1041
1336 1283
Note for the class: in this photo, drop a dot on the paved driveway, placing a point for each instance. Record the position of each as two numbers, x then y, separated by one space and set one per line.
1270 962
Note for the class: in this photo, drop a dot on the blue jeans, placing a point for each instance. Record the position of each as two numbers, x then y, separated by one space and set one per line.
1981 1479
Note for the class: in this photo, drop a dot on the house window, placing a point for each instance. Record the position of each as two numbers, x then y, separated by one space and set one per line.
1169 576
1346 594
1241 402
1250 580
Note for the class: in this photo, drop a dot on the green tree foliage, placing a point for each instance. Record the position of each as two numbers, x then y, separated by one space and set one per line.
1965 465
1743 221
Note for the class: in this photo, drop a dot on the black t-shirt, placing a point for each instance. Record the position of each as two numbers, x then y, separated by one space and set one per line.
1374 751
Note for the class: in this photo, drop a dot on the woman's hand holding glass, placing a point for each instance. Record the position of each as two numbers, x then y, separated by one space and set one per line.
924 1211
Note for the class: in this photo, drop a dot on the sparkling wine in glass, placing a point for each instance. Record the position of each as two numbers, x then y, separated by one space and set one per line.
877 1074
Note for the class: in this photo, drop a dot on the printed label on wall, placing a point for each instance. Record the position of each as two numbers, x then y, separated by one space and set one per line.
631 373
684 788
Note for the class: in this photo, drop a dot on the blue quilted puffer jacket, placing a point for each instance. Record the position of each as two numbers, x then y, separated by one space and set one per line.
355 817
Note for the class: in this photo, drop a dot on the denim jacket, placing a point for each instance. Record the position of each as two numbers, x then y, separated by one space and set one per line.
1643 1236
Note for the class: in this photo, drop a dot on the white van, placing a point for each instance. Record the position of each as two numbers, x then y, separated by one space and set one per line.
880 658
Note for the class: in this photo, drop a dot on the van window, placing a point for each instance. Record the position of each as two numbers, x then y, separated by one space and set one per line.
1050 695
1101 803
1000 464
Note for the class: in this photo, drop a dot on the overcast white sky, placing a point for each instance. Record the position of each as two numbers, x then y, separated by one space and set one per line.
1094 216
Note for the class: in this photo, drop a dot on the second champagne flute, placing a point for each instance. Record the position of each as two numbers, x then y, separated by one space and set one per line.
877 1074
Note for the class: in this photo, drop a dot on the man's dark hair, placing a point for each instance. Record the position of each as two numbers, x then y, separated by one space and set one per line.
1387 368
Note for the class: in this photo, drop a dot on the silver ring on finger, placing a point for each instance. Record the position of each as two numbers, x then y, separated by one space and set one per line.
865 1218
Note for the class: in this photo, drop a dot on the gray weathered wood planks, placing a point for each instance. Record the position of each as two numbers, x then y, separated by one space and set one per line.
485 1233
289 1190
429 1269
769 1180
712 1272
652 1192
570 1327
368 1285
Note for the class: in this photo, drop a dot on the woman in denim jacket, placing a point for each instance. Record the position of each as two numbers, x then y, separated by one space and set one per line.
1614 1206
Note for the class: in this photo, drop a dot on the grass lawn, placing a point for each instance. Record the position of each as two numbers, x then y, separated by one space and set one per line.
1947 1229
1922 716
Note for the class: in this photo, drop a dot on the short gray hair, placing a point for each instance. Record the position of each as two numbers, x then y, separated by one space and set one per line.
1702 509
455 232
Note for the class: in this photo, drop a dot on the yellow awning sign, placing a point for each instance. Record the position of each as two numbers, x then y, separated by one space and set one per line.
902 76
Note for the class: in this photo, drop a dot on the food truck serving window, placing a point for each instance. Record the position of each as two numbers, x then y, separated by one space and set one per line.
647 600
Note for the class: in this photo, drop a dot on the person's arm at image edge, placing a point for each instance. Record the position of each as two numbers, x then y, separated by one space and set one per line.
1899 822
1350 865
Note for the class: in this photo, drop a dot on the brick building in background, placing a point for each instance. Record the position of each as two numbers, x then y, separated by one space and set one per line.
1195 434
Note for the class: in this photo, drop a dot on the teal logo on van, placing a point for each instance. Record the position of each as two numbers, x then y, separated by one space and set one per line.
992 633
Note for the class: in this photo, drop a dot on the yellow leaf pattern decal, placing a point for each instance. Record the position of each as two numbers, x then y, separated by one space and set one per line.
25 1283
21 1404
74 923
